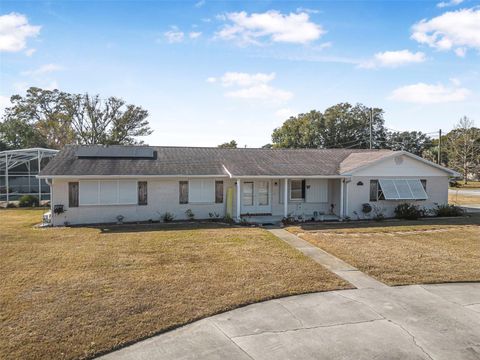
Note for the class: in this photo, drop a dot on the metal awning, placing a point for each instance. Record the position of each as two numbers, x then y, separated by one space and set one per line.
403 189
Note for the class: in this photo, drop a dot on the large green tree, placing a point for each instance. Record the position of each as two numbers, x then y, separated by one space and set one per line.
340 126
52 118
415 142
228 145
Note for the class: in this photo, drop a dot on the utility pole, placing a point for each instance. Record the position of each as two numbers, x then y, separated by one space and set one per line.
440 147
371 121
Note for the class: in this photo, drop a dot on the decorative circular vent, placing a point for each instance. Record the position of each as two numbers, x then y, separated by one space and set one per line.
399 160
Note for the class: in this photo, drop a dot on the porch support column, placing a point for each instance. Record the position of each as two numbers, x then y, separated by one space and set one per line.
285 198
238 200
345 210
341 199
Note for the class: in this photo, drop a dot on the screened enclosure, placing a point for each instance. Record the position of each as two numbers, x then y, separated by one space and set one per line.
18 171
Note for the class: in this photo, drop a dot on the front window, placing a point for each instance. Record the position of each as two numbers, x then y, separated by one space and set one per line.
183 192
376 192
263 193
296 190
218 192
248 193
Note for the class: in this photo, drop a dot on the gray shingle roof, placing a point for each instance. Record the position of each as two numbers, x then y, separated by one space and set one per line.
191 161
356 160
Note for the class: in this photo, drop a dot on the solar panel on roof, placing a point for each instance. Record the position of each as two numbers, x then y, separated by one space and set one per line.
116 152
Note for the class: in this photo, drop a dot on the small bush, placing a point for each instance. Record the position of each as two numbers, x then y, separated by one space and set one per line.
11 205
454 184
28 201
228 219
408 211
167 217
367 208
213 215
378 213
289 220
448 210
190 214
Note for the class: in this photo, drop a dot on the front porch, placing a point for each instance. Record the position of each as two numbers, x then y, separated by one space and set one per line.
269 200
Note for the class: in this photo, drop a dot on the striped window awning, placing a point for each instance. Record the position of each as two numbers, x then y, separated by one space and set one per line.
403 189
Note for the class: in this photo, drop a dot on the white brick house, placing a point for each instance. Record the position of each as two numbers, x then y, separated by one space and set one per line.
95 184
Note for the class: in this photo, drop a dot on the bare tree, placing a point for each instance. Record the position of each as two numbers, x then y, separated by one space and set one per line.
464 148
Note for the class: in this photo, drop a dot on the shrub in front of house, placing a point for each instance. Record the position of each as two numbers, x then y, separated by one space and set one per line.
28 201
408 211
167 217
190 214
448 210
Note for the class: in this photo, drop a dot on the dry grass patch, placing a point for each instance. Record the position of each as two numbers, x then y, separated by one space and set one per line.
462 199
468 185
404 252
76 292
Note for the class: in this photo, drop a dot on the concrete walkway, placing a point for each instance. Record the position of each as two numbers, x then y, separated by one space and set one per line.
411 322
347 272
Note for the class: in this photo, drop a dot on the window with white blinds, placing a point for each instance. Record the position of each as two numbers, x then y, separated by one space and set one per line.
108 192
201 191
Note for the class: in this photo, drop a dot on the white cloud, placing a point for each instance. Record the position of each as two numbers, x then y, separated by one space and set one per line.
250 29
194 34
200 3
393 59
14 32
252 86
457 30
42 70
461 52
245 79
30 52
261 92
285 113
174 35
455 81
307 10
422 93
449 3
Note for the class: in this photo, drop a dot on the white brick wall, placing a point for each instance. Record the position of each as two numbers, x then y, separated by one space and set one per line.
437 191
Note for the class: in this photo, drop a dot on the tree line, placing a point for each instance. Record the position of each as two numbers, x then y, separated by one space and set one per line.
349 126
53 119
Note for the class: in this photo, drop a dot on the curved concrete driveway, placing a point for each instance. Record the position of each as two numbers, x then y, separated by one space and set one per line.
410 322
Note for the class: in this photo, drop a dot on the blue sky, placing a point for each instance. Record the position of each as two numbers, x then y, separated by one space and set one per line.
212 71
